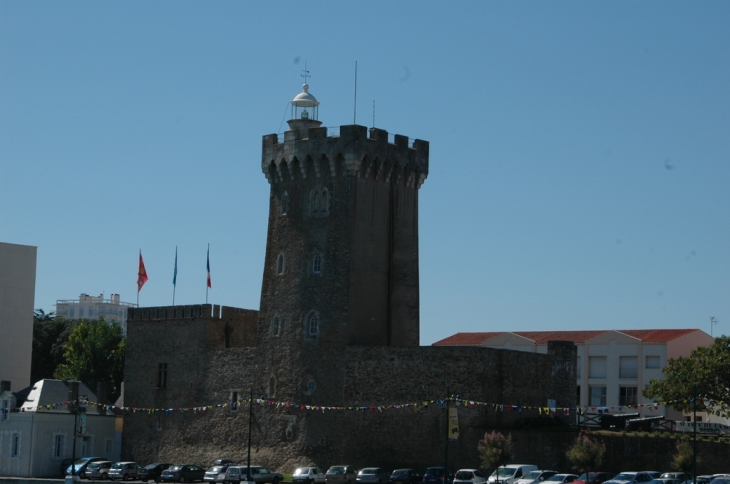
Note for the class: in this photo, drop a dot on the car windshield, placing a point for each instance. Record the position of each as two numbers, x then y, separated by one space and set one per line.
400 472
217 469
623 477
532 475
505 472
301 470
435 471
336 470
463 475
116 466
151 466
81 461
175 468
368 471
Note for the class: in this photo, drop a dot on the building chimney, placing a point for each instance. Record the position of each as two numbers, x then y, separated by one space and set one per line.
101 398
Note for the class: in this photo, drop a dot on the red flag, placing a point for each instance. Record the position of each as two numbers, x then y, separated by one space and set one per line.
141 273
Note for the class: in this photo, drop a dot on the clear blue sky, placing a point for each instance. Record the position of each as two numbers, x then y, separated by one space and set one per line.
580 151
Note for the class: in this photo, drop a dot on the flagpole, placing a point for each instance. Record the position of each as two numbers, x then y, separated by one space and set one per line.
138 288
174 278
207 281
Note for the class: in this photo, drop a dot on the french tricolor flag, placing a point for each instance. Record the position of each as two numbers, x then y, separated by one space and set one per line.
208 266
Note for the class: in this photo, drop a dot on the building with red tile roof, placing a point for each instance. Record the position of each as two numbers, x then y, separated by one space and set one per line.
613 366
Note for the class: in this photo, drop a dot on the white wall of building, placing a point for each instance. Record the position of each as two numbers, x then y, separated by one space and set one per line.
17 297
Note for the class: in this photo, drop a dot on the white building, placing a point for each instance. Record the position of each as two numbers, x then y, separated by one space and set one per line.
37 429
95 307
613 367
17 297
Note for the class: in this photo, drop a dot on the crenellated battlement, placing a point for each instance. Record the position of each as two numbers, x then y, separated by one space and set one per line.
192 311
356 151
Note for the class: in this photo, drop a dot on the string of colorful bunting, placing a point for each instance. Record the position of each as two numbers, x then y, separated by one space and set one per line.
369 408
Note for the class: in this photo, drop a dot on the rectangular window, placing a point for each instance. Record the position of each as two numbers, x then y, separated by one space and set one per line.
652 362
597 396
597 367
91 312
628 396
234 400
577 396
628 367
162 375
108 447
15 445
58 446
81 312
72 313
578 368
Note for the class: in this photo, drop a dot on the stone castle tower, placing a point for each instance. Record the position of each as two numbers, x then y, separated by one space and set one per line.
341 262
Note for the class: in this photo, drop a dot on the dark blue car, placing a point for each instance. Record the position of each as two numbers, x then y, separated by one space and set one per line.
438 475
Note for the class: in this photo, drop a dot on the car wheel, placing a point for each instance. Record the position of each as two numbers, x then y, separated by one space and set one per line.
182 479
104 477
82 475
125 477
275 480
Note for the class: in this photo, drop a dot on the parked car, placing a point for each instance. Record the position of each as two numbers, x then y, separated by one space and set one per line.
675 475
562 478
183 473
631 478
216 473
438 475
99 469
468 476
80 466
375 475
124 471
510 473
259 474
340 474
308 475
406 476
594 478
152 472
537 476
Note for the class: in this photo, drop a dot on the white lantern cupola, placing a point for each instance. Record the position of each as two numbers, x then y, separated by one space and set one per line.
304 111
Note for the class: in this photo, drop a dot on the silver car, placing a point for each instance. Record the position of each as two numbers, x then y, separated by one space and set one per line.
99 470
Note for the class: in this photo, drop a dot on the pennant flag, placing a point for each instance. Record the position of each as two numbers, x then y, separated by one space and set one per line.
141 273
174 276
208 266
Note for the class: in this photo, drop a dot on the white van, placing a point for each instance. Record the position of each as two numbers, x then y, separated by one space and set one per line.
510 473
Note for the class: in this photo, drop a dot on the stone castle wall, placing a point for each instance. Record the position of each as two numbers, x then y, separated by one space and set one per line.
358 376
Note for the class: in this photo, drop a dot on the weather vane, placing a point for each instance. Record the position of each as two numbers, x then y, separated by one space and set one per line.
306 72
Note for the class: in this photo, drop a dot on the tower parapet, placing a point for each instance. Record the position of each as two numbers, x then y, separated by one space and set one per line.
304 151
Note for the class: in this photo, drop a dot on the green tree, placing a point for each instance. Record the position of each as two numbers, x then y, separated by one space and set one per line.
586 455
94 353
49 335
495 449
704 376
682 459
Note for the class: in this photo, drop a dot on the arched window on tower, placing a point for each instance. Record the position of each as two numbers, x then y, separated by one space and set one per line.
319 202
312 324
317 264
280 264
285 203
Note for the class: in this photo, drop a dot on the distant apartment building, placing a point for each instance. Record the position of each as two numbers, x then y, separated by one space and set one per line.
95 307
613 367
17 297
